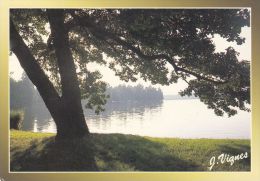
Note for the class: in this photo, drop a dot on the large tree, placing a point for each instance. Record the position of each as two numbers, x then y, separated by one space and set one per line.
56 46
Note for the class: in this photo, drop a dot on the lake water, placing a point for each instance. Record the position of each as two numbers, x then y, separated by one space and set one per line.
169 118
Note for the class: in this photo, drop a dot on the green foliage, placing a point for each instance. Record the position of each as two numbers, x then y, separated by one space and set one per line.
16 119
117 152
93 91
158 45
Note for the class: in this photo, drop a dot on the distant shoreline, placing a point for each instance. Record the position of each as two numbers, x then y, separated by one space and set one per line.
178 97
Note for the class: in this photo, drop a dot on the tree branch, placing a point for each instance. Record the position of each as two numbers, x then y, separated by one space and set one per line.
99 32
66 65
33 70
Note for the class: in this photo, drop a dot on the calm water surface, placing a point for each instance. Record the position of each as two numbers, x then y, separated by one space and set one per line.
169 118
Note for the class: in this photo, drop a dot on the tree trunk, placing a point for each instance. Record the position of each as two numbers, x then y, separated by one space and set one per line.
66 110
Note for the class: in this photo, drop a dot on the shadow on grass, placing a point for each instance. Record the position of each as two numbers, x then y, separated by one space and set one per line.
128 152
48 155
113 152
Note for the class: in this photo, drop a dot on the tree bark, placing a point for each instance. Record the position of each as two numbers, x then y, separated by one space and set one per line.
66 110
74 122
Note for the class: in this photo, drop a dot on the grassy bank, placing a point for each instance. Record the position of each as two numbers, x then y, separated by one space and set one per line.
118 152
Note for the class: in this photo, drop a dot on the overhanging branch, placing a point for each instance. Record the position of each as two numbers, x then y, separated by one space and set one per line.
101 33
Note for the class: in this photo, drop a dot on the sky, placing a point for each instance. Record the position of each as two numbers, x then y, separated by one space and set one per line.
221 44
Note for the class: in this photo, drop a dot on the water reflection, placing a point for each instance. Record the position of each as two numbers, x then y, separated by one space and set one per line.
167 118
38 118
122 110
123 117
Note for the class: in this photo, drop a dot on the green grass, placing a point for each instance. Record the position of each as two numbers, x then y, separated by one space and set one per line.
119 152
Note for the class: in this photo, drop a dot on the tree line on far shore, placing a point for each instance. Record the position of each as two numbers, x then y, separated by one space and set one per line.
23 95
134 93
